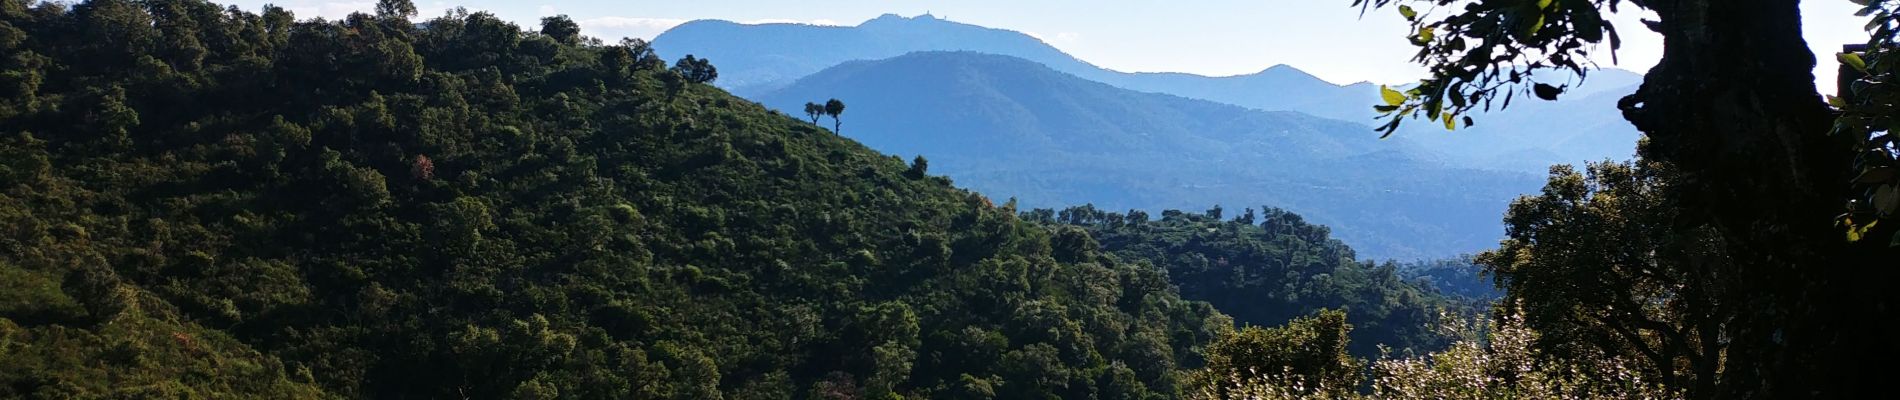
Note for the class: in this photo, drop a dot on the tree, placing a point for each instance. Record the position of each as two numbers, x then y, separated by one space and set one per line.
695 70
1310 352
919 168
1600 272
1733 108
1499 360
813 111
642 53
835 108
562 29
403 9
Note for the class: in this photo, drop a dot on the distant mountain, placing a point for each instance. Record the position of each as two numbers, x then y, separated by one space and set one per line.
1011 127
757 59
753 59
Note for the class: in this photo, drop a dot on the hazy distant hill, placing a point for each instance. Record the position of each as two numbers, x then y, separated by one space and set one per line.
1010 127
756 59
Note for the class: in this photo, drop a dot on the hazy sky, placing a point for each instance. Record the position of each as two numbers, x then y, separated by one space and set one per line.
1327 38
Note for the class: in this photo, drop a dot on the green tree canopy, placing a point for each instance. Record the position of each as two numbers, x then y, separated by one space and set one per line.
1600 271
835 108
1733 109
562 29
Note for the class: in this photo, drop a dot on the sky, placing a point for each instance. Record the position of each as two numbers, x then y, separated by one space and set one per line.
1327 38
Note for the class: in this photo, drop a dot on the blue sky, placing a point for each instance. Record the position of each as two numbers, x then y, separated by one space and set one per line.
1327 38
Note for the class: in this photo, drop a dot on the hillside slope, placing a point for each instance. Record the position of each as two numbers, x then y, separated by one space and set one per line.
203 204
1010 127
1268 267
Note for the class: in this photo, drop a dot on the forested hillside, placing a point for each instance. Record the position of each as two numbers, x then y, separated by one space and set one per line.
1268 267
209 202
1013 128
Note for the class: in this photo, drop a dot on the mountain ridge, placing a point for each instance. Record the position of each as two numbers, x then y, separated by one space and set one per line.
755 61
1012 127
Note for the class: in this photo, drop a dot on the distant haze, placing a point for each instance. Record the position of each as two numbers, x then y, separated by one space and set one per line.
1327 38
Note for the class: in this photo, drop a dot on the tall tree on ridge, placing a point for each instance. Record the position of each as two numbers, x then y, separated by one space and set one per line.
813 111
396 9
562 29
834 108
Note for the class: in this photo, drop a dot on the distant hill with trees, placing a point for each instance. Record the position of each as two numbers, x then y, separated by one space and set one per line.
1014 128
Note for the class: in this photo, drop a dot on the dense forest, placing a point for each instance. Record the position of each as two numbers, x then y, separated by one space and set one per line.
1268 267
208 202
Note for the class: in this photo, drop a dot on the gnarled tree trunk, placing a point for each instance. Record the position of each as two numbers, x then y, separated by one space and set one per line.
1733 106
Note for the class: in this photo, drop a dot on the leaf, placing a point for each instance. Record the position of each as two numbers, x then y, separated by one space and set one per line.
1896 240
1852 60
1426 34
1887 200
1383 109
1535 26
1877 175
1408 12
1468 122
1392 97
1855 234
1836 101
1546 91
1451 123
1544 4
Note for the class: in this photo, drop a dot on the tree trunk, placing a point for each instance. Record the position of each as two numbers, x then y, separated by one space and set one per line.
1732 105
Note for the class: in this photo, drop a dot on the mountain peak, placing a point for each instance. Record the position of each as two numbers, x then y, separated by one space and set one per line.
1287 71
894 19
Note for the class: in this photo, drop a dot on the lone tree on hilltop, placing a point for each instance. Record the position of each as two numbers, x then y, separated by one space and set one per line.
834 108
814 110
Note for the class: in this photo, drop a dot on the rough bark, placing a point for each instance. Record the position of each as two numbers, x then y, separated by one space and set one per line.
1732 105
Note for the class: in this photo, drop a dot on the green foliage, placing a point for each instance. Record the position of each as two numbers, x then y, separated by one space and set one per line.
1500 360
1866 102
1266 272
564 30
227 204
813 111
1602 270
1481 52
835 108
1491 360
1311 352
696 70
1459 278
